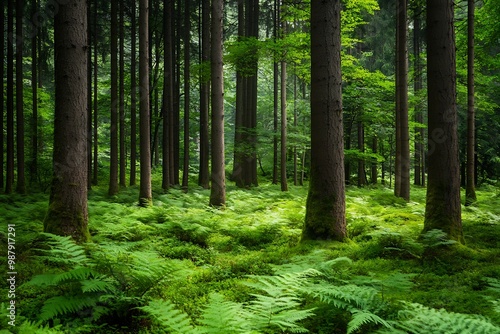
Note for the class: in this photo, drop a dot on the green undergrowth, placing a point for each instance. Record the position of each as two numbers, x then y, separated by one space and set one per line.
181 266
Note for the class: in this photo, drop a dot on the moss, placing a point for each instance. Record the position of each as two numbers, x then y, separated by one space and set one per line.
61 221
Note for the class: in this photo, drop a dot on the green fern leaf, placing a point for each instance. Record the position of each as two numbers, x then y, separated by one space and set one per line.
61 305
223 317
361 318
97 285
64 250
167 316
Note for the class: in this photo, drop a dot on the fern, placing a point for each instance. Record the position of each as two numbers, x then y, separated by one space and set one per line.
361 318
280 307
435 238
223 317
63 250
419 319
62 305
168 317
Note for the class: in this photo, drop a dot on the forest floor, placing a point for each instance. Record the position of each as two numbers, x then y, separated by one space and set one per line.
182 266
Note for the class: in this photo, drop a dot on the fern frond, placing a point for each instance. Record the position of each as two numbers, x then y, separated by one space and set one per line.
361 318
96 285
64 250
62 305
344 296
419 319
168 316
223 317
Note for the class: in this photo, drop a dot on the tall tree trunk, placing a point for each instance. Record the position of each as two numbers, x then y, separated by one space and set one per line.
121 90
402 186
361 148
89 95
145 193
187 88
442 209
218 176
295 123
168 104
113 155
419 131
275 94
68 212
21 183
9 180
204 177
96 99
177 95
470 191
374 164
133 95
325 208
237 174
284 184
34 98
252 31
2 55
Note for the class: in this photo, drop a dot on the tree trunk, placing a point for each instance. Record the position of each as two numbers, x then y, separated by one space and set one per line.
123 157
443 190
237 173
275 94
361 148
145 193
374 164
96 99
89 95
9 181
402 187
295 123
113 155
325 208
218 189
284 184
34 98
187 88
68 213
204 178
2 55
470 191
168 104
419 131
133 95
21 183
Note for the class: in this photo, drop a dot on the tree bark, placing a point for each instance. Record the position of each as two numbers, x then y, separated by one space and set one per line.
419 131
204 177
121 92
187 88
33 167
96 99
275 94
361 148
2 55
21 182
284 184
68 213
402 185
374 164
443 209
113 155
145 193
325 208
133 95
89 95
470 191
9 180
168 104
218 177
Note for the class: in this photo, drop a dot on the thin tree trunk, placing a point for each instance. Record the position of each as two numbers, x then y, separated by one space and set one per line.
417 88
442 209
21 182
121 92
238 160
284 184
68 212
34 98
167 93
275 94
89 95
374 164
218 189
295 154
187 88
361 148
204 177
133 95
325 208
2 55
145 193
113 156
470 191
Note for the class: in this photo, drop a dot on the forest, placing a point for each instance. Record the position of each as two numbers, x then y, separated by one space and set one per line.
250 166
